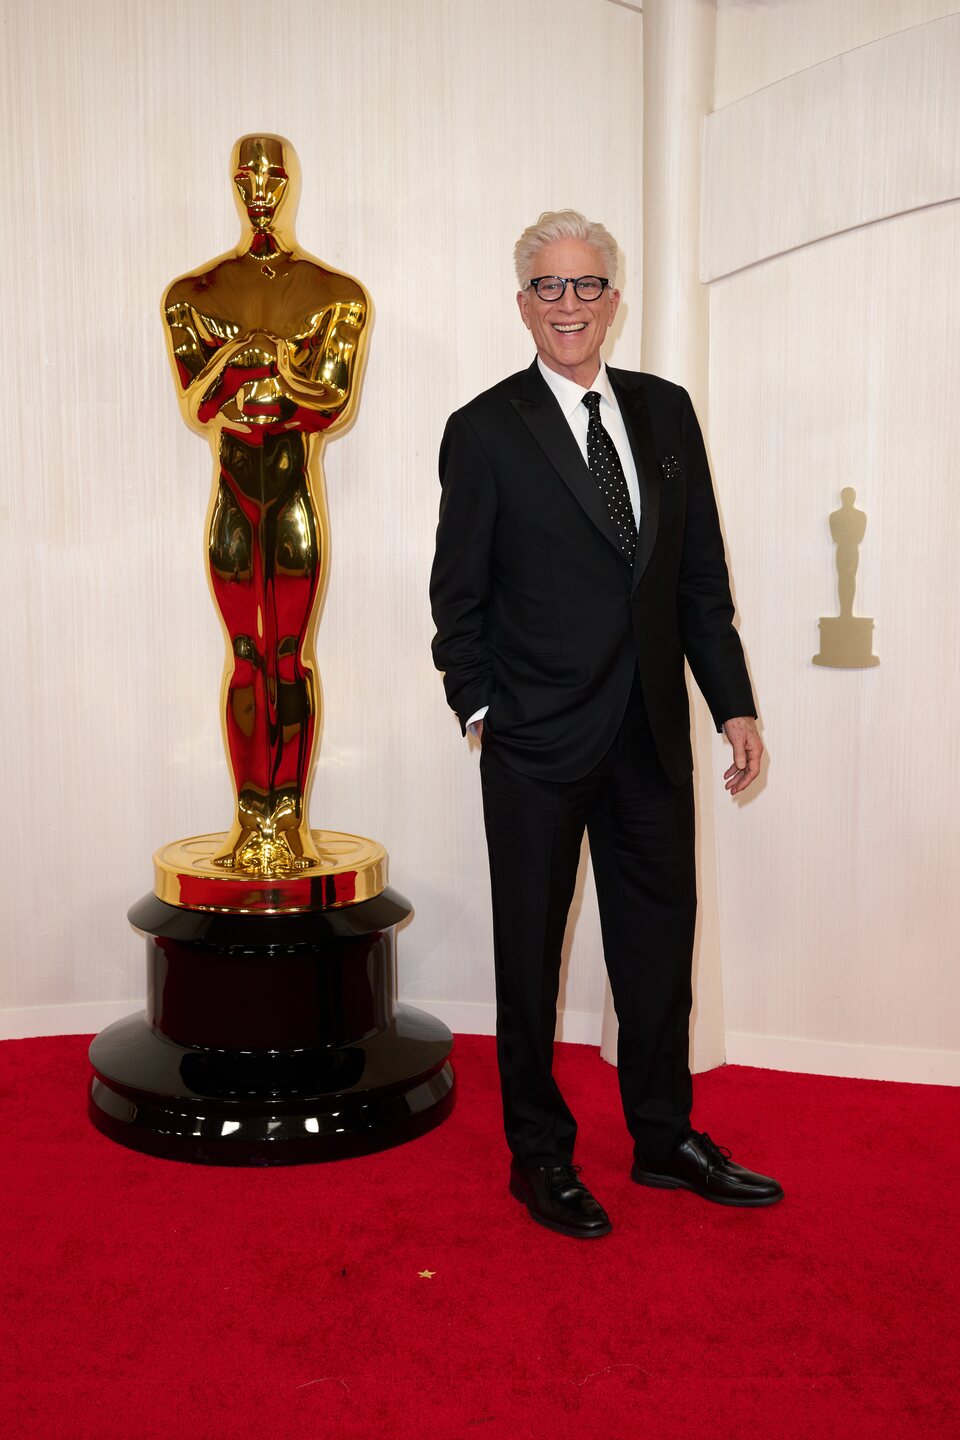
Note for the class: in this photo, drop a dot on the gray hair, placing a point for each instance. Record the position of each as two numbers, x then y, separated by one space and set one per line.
563 225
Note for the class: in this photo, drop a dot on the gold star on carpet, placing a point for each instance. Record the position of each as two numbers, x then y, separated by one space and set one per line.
426 1274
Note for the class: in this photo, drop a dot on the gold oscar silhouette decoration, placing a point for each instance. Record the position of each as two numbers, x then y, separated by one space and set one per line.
272 1032
846 640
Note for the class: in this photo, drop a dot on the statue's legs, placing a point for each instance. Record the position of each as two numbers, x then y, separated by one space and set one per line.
265 559
848 562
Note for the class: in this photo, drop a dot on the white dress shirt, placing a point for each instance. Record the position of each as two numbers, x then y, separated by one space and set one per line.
569 396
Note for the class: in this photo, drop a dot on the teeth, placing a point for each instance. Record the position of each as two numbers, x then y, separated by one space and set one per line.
568 329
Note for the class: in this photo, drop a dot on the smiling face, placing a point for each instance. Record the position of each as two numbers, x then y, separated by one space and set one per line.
568 332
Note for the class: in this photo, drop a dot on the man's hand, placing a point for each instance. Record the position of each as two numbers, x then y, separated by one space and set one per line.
743 735
476 728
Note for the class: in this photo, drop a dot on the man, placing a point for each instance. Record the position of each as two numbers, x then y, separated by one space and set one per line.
579 560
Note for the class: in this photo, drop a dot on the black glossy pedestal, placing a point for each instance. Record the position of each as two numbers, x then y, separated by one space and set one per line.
271 1040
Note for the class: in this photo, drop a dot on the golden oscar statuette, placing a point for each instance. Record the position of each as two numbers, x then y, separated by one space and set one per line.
272 1032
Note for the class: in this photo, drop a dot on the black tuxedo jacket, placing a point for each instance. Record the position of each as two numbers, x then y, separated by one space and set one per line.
537 612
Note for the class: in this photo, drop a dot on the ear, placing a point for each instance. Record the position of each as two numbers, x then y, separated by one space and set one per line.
523 305
614 303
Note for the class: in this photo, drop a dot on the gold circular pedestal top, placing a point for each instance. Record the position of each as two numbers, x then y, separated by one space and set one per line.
351 869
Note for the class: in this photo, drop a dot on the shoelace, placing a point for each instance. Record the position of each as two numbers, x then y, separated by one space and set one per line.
563 1177
717 1153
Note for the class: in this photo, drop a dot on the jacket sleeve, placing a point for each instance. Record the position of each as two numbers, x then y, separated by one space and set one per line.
460 579
711 644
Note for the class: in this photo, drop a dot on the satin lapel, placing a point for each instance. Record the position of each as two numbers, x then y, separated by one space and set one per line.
540 412
636 418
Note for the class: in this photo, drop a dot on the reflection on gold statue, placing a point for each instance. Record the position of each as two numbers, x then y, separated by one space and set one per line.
846 640
265 344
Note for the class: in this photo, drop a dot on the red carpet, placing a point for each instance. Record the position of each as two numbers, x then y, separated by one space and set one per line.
145 1298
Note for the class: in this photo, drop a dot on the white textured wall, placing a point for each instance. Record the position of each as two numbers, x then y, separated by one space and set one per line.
430 132
759 42
837 363
850 141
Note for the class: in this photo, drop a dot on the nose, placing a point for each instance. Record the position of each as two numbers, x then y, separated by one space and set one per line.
568 300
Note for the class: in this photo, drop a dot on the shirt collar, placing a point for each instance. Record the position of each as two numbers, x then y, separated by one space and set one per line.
569 394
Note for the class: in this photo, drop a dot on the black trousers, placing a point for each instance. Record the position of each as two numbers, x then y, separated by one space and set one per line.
641 833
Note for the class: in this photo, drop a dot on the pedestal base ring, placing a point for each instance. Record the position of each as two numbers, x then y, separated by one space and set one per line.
271 1108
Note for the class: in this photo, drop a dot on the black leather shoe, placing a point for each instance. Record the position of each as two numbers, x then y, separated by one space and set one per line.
698 1164
557 1197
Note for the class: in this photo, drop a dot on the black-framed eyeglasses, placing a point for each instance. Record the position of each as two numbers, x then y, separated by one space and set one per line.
554 287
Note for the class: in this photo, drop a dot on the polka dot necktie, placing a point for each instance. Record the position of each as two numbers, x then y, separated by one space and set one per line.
606 469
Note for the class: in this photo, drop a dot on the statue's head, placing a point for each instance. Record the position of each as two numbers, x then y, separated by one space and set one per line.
848 495
266 178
